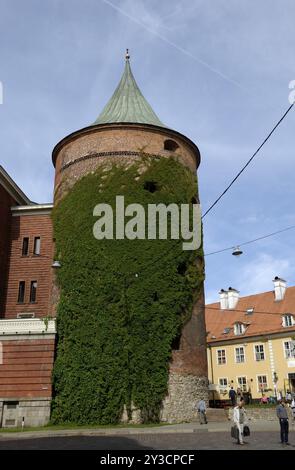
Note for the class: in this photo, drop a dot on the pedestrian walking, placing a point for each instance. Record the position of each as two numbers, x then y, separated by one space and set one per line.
288 396
240 419
293 409
240 396
201 407
233 396
282 414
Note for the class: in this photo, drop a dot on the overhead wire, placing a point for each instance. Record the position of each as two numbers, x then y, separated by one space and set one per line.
248 162
251 241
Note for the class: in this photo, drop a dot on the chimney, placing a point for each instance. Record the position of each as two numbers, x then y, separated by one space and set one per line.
223 299
233 298
280 286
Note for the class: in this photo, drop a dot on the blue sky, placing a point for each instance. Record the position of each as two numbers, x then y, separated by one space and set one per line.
216 71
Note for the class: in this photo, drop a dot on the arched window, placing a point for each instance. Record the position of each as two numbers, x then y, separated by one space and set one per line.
170 145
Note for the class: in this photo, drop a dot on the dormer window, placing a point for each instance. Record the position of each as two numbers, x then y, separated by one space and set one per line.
239 329
250 311
288 320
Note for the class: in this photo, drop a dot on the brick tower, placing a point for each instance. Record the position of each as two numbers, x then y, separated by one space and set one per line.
126 127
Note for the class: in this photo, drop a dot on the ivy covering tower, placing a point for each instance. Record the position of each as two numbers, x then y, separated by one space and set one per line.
130 317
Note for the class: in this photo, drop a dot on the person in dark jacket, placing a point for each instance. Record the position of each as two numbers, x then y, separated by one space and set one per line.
233 396
284 421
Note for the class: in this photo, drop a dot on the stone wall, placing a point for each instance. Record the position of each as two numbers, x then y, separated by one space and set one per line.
34 413
184 391
179 406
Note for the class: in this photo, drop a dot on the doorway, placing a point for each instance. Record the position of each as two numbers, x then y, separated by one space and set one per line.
291 382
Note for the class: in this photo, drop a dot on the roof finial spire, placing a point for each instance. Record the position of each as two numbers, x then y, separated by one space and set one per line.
127 56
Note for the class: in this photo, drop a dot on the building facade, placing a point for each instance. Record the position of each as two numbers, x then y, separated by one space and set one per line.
28 292
250 343
26 341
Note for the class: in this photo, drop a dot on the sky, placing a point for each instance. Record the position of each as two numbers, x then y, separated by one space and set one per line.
217 71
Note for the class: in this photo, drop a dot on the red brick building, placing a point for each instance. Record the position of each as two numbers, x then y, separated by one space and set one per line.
26 341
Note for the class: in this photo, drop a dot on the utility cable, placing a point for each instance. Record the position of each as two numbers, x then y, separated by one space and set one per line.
248 162
251 241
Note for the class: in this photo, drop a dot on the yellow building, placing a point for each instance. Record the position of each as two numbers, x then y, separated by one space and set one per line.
250 342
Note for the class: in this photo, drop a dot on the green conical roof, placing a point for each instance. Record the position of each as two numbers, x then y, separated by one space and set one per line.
128 104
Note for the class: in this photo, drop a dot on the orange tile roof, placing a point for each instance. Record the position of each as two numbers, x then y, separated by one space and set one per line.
266 318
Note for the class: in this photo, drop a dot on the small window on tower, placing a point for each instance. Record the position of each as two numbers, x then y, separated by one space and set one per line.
150 186
170 145
33 292
25 248
37 245
176 343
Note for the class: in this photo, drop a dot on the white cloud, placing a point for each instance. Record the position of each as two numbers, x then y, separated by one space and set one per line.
257 275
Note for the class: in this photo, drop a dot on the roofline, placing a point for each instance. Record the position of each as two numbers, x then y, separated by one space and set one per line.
12 188
244 338
217 302
36 209
123 125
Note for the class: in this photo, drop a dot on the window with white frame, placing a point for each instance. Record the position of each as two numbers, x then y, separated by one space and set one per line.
288 320
262 383
223 383
221 356
240 354
239 328
289 348
37 245
242 383
259 352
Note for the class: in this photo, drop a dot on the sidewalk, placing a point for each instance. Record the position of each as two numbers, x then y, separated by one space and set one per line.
255 426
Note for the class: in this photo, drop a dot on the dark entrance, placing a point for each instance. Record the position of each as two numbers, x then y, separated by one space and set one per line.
292 382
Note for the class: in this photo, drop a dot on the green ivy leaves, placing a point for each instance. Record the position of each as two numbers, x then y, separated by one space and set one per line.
115 330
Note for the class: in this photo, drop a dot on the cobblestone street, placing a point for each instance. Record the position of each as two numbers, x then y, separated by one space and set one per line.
190 441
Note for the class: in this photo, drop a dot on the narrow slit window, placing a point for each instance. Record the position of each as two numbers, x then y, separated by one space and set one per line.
21 292
25 248
37 245
33 292
176 343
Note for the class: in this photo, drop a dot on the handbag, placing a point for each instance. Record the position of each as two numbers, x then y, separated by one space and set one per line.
234 432
246 431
